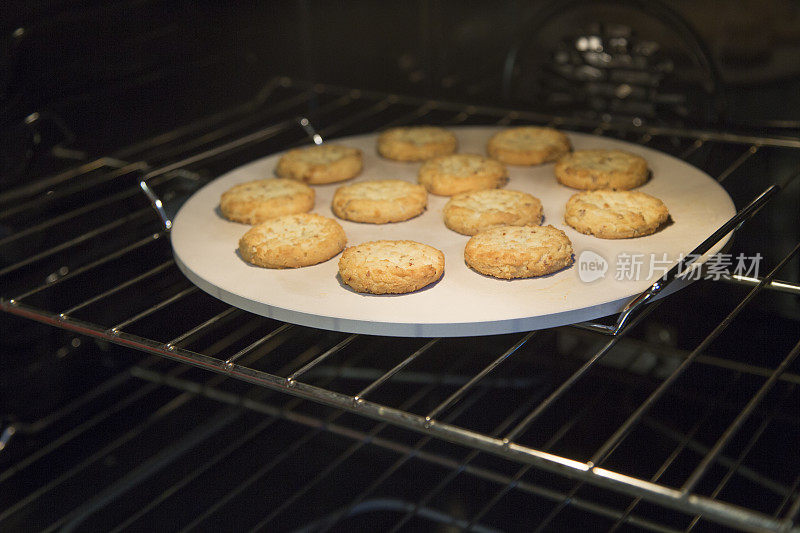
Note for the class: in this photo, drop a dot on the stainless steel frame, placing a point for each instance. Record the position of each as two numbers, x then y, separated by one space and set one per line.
185 155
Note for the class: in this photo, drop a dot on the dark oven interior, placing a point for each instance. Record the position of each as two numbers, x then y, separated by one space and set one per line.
132 400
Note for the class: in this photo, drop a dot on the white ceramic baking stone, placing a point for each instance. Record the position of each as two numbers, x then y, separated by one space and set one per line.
463 302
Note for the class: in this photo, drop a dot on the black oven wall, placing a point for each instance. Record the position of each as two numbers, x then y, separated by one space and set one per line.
90 77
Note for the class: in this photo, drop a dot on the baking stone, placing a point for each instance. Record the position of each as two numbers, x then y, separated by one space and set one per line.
463 302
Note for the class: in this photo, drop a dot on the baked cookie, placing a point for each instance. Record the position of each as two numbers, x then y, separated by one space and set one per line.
390 267
528 145
472 212
326 163
292 241
601 169
380 201
453 174
416 143
615 214
509 252
260 200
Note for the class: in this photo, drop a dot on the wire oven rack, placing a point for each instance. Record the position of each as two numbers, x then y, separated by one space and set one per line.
86 251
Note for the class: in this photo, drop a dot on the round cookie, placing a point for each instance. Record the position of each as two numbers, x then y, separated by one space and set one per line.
390 267
379 201
416 143
510 252
615 214
256 201
601 169
326 163
528 145
472 212
292 241
453 174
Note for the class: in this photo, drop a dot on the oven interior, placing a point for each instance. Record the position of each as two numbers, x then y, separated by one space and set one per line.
133 400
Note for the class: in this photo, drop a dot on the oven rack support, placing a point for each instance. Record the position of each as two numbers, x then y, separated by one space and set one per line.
431 424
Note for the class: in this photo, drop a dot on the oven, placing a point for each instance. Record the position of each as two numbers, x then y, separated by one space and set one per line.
130 399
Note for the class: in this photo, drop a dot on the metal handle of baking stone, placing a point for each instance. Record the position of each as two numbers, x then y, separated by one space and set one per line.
312 133
635 306
157 204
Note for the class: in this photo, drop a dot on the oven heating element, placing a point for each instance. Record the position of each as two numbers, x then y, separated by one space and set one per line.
87 251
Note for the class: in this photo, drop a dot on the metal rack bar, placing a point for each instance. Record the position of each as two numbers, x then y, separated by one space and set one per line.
418 113
205 390
715 510
710 360
311 364
777 285
152 465
77 240
412 400
247 349
332 465
734 467
701 450
41 184
747 154
394 370
429 457
85 268
624 125
153 308
357 117
59 219
183 337
791 516
788 497
116 443
219 133
684 441
241 142
623 430
573 378
457 395
124 285
701 468
412 454
195 129
156 204
53 195
196 473
695 146
94 420
552 441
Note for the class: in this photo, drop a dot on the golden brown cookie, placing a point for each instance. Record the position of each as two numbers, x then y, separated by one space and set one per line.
292 241
260 200
528 145
615 214
390 267
379 201
601 169
472 212
416 143
326 163
453 174
509 252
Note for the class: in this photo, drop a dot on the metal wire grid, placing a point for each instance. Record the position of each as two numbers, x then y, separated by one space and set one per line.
349 112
